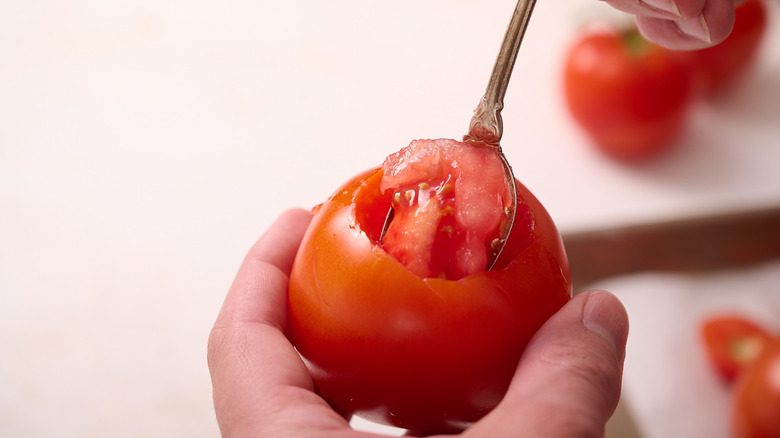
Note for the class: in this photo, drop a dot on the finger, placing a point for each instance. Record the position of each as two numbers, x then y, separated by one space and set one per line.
248 354
711 26
280 243
259 291
664 9
568 380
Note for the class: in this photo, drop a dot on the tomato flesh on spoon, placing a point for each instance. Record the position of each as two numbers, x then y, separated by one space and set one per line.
447 217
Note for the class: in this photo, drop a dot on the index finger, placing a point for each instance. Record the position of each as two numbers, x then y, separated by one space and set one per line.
711 26
247 349
666 9
280 243
250 298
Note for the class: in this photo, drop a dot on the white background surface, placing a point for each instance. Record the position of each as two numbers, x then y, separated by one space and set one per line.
145 145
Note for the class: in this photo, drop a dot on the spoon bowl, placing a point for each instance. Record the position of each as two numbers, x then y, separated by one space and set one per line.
486 126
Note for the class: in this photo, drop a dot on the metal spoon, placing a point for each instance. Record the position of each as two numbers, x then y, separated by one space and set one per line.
486 126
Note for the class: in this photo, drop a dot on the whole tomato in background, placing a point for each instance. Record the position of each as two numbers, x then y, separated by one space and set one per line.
630 96
423 353
720 66
756 399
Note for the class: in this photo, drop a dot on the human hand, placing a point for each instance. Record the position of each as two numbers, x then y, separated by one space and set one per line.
681 24
566 384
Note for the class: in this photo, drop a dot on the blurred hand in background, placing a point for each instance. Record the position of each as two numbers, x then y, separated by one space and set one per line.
681 24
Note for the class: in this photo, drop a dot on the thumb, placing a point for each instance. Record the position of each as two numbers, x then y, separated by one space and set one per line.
568 381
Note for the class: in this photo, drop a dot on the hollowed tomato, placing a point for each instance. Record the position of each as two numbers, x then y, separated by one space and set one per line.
427 350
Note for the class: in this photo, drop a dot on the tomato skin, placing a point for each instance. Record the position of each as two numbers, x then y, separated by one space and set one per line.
756 402
720 66
427 354
631 96
732 343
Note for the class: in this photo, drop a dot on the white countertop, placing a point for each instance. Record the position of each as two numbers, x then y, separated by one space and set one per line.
145 145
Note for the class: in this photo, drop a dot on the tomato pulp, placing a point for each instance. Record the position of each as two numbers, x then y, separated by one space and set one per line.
433 345
447 219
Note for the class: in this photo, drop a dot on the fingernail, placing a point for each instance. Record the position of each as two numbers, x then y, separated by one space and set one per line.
666 6
604 314
696 28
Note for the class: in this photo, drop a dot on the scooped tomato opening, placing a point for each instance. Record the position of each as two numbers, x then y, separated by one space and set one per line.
421 353
449 202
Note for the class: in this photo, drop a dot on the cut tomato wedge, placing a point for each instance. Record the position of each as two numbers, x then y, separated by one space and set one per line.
733 343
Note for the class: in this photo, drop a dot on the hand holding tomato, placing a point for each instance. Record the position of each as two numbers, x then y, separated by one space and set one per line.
567 383
408 327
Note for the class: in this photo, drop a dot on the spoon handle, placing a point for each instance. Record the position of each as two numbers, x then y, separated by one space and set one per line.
486 124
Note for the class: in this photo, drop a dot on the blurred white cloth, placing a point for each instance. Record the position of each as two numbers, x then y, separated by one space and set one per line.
669 386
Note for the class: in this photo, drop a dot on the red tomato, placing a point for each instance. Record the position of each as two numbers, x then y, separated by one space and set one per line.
721 65
629 95
732 343
756 403
418 352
